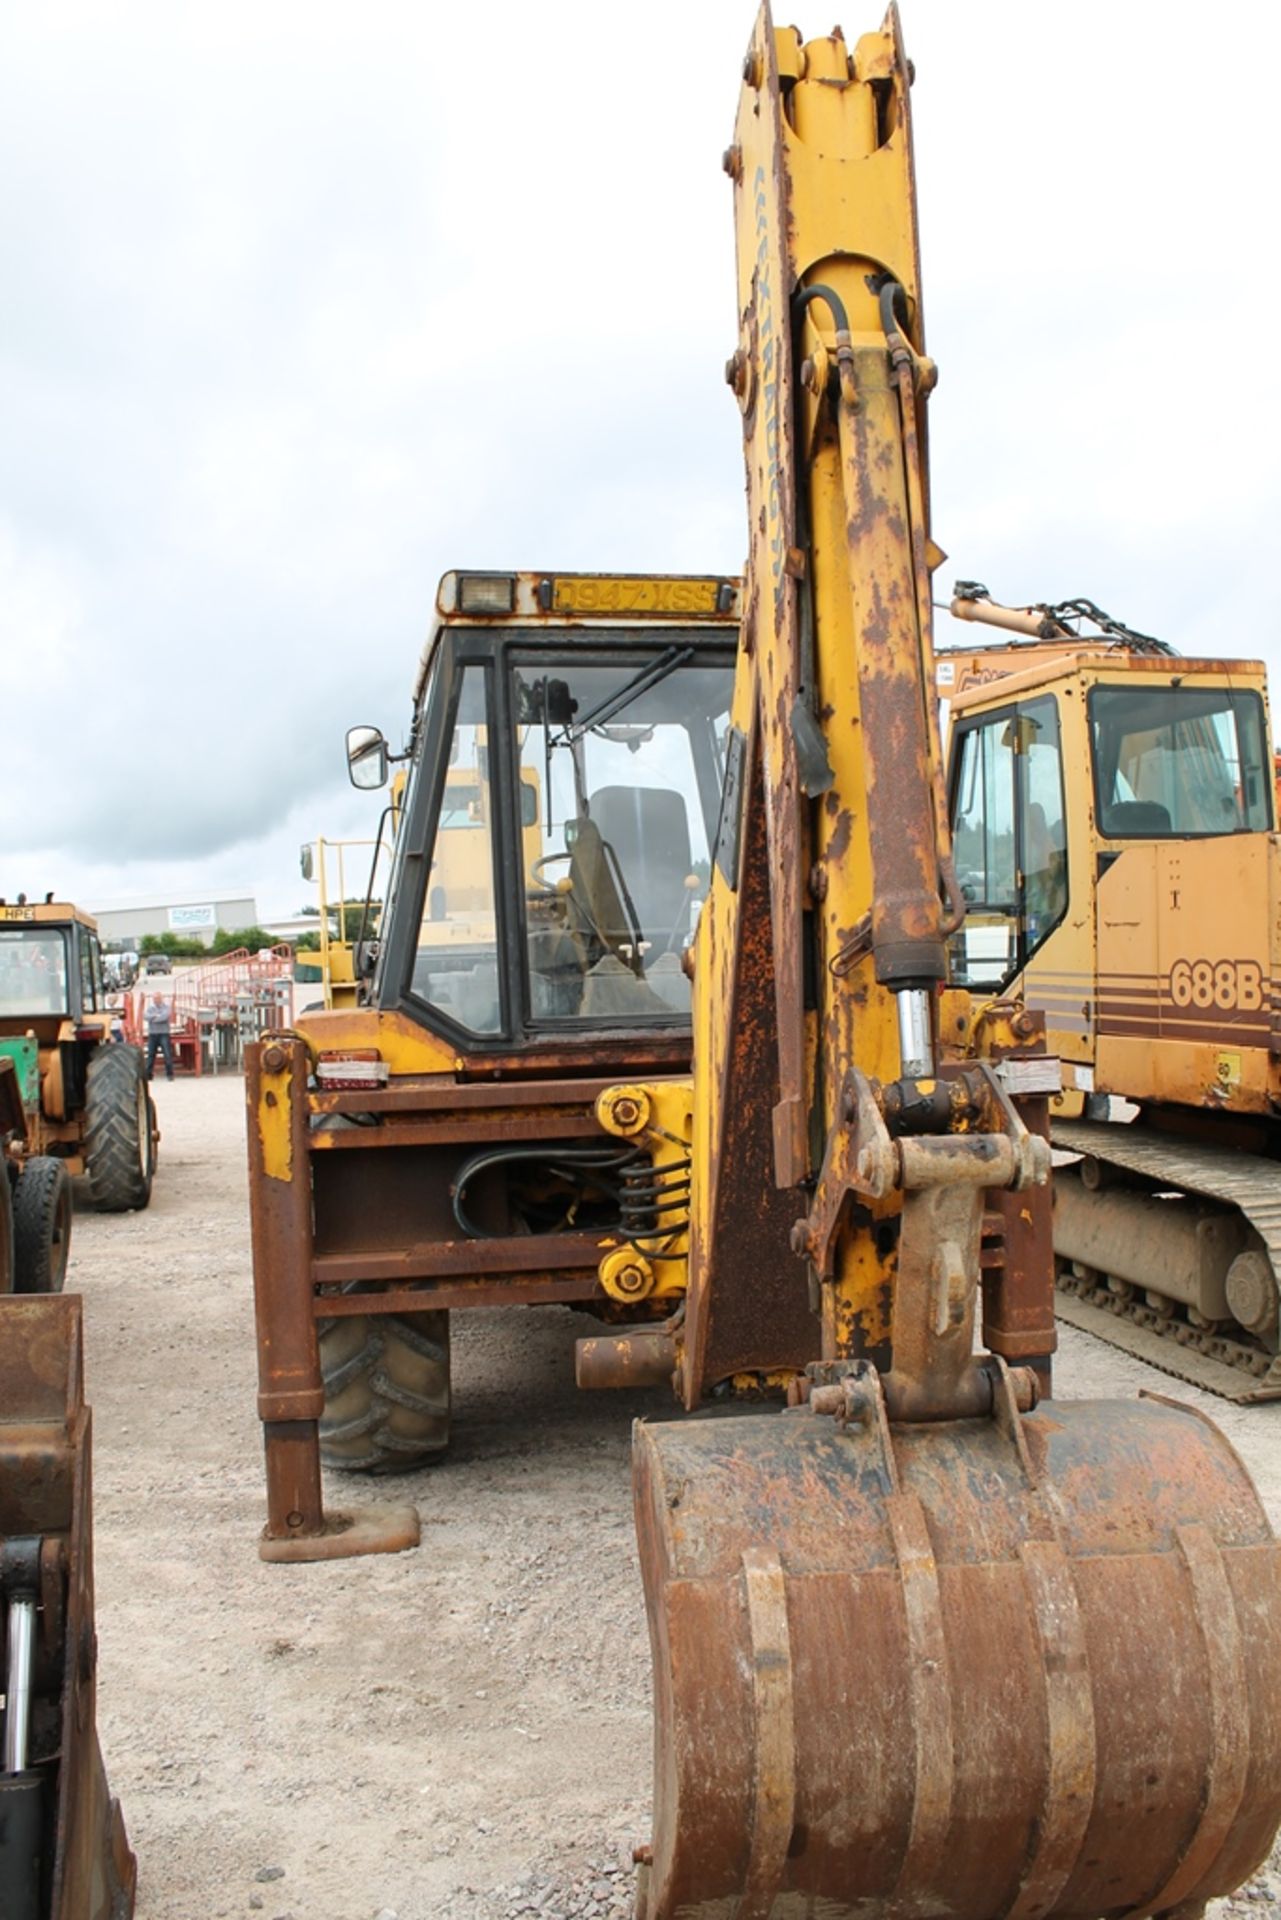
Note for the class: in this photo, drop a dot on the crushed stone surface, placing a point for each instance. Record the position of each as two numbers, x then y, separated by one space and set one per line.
457 1733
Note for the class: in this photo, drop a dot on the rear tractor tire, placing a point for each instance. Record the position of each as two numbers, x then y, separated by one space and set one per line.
386 1391
119 1143
6 1228
41 1226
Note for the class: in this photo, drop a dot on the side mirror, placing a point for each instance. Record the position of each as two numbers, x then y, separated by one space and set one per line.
306 864
365 959
366 757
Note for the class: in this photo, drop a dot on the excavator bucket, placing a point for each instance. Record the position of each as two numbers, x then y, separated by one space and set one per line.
1021 1667
63 1851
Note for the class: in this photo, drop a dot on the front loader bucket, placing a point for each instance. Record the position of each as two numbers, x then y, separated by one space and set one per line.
1013 1667
63 1851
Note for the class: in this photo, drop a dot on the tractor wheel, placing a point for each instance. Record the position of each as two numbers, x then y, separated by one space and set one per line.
41 1226
6 1228
386 1390
118 1142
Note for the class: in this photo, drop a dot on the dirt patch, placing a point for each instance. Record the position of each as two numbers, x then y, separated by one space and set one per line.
460 1733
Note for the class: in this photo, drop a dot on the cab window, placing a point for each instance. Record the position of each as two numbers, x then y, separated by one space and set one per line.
1179 762
90 972
456 963
33 970
620 770
1009 839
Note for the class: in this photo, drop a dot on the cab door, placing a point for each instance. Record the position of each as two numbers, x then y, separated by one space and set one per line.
1009 833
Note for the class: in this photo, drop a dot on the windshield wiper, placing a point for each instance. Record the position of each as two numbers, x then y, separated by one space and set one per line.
650 676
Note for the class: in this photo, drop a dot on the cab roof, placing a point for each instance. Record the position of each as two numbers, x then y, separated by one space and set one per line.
46 913
982 675
567 602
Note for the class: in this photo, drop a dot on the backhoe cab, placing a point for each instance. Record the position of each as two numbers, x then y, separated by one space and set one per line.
556 838
562 788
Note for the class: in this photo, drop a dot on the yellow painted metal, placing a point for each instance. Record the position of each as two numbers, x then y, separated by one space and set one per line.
825 197
627 1276
402 1043
60 910
337 971
660 1117
273 1121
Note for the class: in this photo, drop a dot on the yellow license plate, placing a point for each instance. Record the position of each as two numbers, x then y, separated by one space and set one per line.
602 593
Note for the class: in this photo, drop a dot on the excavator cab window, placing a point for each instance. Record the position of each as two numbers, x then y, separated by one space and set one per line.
1181 761
1010 840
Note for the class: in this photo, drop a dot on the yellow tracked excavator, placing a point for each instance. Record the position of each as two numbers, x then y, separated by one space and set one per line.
926 1640
1113 815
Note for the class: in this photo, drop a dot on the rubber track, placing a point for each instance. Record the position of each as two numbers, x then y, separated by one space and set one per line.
1246 1181
114 1155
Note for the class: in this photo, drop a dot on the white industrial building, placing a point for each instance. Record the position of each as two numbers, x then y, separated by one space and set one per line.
123 927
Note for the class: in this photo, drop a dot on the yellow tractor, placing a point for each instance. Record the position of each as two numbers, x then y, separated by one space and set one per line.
926 1641
1113 815
85 1095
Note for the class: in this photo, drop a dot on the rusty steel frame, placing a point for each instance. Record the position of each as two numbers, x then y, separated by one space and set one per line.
377 1270
46 1490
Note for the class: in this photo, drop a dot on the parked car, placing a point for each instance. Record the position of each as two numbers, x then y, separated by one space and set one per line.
159 963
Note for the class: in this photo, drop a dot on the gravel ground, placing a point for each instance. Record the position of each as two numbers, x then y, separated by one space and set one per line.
460 1733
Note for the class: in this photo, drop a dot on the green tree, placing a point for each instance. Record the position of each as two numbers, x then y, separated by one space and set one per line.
231 939
175 945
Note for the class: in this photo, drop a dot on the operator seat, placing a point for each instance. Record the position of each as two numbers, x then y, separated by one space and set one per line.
1135 817
648 830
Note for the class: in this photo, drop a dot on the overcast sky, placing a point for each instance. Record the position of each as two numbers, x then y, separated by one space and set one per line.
307 303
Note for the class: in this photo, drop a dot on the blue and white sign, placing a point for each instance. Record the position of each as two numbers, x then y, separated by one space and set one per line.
183 919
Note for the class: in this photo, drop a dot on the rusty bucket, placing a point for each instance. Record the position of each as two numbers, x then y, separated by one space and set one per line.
1024 1666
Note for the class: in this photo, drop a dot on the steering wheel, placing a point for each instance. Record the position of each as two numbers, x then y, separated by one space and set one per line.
546 860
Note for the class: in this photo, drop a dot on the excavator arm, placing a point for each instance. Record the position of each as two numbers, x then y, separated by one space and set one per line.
920 1646
838 811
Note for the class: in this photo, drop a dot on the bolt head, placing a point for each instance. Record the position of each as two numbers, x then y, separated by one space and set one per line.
736 372
273 1058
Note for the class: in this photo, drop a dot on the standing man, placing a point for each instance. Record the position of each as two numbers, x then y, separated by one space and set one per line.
158 1016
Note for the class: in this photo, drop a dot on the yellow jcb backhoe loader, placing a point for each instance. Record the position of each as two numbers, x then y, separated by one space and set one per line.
1113 816
922 1647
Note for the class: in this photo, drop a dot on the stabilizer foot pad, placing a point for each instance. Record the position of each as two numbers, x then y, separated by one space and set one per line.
385 1526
